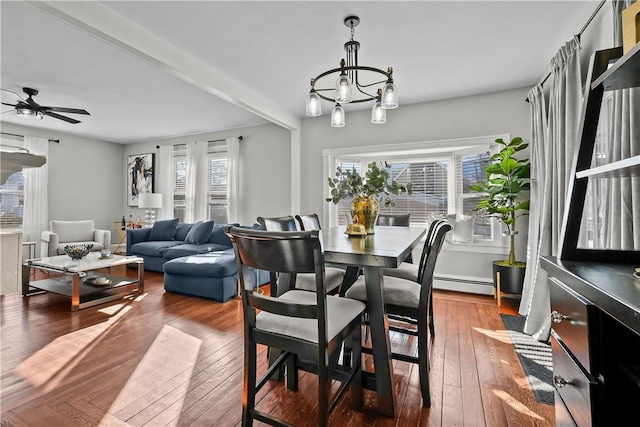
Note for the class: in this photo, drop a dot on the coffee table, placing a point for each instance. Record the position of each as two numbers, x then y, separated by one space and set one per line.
87 281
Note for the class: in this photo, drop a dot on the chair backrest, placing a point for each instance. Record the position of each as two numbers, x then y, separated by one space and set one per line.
309 222
428 243
425 274
280 223
283 252
73 231
400 220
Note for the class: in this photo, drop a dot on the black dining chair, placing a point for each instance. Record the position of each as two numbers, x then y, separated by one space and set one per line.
409 300
396 220
309 327
333 276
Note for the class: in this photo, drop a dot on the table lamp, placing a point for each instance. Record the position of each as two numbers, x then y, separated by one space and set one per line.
150 202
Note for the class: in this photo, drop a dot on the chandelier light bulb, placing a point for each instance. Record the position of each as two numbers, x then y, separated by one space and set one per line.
314 107
378 114
343 89
337 116
389 96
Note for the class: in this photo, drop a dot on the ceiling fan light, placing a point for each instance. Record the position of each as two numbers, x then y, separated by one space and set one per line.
378 114
314 107
28 113
389 96
343 89
337 116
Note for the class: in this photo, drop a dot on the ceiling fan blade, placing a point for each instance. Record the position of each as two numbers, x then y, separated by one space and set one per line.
11 105
33 103
9 95
58 116
65 110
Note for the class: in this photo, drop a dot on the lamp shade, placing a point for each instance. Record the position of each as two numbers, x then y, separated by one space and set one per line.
389 96
337 116
314 108
378 114
150 200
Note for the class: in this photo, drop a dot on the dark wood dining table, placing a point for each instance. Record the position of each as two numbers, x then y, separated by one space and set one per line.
388 247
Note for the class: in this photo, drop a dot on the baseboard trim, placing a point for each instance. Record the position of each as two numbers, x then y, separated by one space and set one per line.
463 284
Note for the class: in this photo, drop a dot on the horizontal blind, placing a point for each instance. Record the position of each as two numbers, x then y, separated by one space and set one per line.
472 170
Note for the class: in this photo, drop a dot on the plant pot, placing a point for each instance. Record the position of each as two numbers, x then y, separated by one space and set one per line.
366 210
511 277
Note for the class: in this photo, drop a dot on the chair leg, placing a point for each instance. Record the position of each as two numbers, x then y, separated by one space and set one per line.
423 361
292 372
432 328
249 383
357 395
323 390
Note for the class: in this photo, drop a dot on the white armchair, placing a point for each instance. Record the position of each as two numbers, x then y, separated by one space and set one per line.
73 233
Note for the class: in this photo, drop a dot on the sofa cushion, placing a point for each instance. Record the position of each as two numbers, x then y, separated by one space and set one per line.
182 230
156 248
200 232
212 264
164 230
219 234
187 249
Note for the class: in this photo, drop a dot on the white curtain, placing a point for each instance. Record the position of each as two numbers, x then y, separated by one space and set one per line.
166 181
553 143
36 202
196 193
233 176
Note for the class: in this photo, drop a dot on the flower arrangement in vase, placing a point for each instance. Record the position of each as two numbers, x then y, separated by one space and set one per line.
366 193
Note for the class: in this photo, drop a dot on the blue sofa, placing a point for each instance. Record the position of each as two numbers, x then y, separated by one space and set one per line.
197 259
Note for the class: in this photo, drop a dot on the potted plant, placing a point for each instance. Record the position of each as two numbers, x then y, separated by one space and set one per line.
507 181
366 192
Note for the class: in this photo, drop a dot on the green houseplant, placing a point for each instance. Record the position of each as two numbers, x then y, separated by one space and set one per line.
505 191
367 192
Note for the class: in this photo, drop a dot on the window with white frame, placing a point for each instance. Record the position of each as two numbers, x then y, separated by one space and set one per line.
440 172
12 201
218 160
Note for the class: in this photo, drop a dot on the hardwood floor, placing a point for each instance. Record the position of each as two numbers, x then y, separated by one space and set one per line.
165 359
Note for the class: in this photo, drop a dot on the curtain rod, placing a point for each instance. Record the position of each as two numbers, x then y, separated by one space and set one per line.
584 27
57 141
240 138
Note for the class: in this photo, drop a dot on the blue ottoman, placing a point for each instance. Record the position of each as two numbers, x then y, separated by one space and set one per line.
211 275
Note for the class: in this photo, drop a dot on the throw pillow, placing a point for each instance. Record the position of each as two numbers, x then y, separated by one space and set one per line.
164 230
219 234
200 232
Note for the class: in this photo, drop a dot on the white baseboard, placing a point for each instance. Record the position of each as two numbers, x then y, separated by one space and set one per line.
472 285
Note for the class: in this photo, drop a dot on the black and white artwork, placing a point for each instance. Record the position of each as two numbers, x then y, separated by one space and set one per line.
139 176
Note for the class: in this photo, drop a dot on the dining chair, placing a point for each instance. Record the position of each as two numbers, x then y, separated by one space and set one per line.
396 220
333 276
309 327
350 273
410 300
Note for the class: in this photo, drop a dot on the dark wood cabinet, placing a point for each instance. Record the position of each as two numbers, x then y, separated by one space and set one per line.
595 298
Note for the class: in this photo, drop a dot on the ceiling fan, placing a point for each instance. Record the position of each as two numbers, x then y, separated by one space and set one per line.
31 109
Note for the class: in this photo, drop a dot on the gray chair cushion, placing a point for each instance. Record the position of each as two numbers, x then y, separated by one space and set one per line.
396 291
164 230
332 279
199 233
73 231
340 311
404 271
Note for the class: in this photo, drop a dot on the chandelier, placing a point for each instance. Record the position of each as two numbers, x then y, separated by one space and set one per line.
353 83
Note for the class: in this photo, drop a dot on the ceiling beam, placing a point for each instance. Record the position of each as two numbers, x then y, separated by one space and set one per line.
106 24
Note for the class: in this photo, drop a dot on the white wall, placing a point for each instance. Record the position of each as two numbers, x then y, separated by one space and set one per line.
86 177
265 159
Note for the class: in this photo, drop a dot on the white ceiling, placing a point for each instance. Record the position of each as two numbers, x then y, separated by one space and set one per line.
260 56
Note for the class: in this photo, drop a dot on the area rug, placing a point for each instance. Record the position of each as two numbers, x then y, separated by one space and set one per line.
535 358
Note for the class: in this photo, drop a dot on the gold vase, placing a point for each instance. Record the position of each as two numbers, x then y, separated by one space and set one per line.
366 210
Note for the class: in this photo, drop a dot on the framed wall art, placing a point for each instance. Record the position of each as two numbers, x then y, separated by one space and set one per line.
140 169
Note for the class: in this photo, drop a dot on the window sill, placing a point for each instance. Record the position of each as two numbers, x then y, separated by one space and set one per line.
487 248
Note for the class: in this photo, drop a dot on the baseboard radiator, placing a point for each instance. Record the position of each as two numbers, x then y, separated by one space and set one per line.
473 285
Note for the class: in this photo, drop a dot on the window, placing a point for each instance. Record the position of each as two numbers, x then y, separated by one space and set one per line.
12 201
218 160
440 172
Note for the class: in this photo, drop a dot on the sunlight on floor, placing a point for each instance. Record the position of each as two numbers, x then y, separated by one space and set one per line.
167 364
499 335
520 407
49 365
